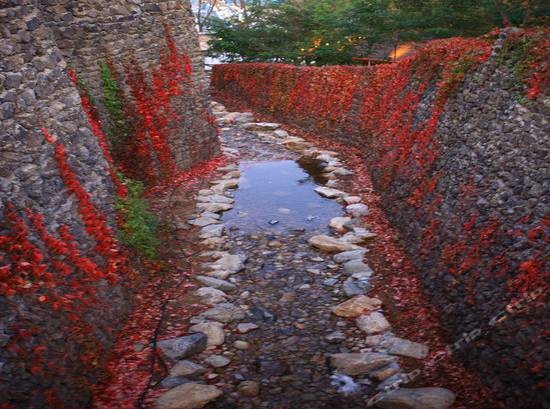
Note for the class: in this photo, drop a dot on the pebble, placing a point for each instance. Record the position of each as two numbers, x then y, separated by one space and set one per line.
249 388
213 330
217 361
187 368
242 345
245 327
183 347
356 306
359 363
372 323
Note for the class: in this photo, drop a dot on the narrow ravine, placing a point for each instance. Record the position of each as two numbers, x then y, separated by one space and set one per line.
288 319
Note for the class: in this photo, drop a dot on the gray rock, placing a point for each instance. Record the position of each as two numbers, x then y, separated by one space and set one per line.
245 327
329 193
359 363
335 337
338 223
357 209
187 368
224 312
188 396
356 266
355 287
203 221
214 207
404 347
372 323
216 198
417 398
213 330
183 347
212 231
210 295
349 255
173 381
217 361
216 283
232 263
241 345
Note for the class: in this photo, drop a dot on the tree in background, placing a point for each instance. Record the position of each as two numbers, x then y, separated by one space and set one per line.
329 31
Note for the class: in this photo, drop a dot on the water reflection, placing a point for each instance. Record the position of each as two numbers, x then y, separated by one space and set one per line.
279 195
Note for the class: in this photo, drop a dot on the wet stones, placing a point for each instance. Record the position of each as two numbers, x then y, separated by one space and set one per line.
329 193
183 347
357 209
339 223
417 398
359 363
188 396
331 244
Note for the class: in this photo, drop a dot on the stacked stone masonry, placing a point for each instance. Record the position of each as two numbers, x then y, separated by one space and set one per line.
38 42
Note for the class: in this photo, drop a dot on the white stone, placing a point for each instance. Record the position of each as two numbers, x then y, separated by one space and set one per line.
329 193
357 209
372 323
213 330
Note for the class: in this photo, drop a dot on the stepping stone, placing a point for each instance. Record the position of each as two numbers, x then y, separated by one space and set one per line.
213 330
210 295
355 287
183 347
372 323
212 231
356 306
217 361
214 207
245 327
356 266
358 235
216 283
349 255
187 368
331 244
352 200
416 398
224 312
232 263
188 396
403 347
216 198
329 193
339 223
359 363
203 221
358 209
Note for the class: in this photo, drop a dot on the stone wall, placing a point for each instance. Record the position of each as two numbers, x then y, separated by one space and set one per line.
132 32
56 329
467 187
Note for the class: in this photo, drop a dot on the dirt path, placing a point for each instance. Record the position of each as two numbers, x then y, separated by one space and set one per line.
288 320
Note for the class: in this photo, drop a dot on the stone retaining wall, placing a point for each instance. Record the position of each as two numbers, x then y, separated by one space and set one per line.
49 357
471 202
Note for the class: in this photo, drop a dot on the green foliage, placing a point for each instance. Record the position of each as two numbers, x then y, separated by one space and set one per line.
140 227
119 128
330 31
